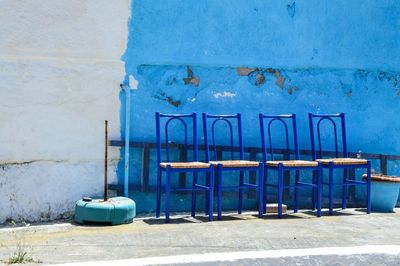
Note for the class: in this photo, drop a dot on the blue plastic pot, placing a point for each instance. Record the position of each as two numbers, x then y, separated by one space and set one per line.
384 196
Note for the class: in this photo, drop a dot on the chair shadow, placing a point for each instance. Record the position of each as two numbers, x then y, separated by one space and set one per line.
340 212
197 219
172 220
306 214
230 217
285 216
235 217
361 210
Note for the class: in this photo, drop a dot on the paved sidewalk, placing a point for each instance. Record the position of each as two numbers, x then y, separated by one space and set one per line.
148 237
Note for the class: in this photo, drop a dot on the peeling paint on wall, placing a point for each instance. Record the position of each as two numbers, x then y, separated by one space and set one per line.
171 101
191 79
291 9
245 71
224 94
280 80
257 75
162 96
229 90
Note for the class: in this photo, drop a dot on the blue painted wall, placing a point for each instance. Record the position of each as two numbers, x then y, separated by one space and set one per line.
254 56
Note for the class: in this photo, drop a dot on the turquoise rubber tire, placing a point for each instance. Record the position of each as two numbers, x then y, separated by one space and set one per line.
117 210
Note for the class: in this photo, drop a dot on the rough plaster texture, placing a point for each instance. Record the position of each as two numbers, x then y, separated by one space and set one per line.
60 72
267 56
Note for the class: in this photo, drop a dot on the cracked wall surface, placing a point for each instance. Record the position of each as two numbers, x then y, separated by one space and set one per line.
60 72
267 56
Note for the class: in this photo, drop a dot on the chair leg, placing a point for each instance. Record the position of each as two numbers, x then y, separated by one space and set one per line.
167 193
330 188
280 190
265 190
369 188
319 190
207 199
158 200
344 193
219 192
211 195
260 191
313 189
194 196
241 181
296 206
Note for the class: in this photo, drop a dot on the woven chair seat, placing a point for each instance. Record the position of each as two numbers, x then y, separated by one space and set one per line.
194 165
294 163
343 161
236 163
383 178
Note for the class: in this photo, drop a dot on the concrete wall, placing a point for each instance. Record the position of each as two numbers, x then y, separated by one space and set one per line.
254 56
60 72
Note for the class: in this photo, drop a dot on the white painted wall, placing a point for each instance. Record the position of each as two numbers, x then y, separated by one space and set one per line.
60 71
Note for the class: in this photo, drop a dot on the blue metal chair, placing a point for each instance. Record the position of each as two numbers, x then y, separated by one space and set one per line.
193 166
343 162
241 165
287 164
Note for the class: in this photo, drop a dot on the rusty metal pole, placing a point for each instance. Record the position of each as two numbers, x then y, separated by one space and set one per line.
105 160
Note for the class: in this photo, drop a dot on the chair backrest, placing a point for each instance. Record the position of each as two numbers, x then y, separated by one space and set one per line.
315 121
230 122
185 120
266 121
